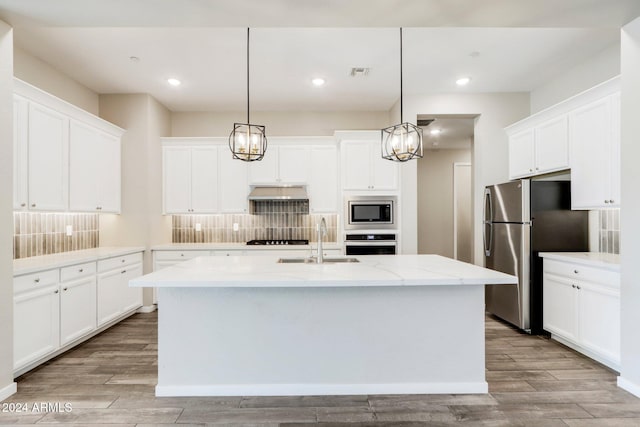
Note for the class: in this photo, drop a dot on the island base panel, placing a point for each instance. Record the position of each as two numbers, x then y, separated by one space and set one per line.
318 341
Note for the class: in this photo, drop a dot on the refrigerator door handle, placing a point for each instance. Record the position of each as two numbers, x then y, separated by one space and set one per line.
487 248
488 203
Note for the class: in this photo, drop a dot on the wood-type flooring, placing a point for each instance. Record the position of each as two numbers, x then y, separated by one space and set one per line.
110 379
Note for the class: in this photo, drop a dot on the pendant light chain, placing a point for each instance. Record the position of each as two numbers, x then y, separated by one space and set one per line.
401 121
248 121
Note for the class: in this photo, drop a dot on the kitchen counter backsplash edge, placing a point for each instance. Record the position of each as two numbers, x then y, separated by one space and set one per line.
44 262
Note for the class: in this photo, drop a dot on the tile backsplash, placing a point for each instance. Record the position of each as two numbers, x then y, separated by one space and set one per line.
273 220
609 231
45 233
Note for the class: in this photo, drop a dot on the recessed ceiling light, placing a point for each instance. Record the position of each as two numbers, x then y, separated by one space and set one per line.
174 82
435 131
463 81
318 81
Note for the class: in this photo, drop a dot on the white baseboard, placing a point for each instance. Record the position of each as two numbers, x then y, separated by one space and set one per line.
147 309
8 391
320 389
629 386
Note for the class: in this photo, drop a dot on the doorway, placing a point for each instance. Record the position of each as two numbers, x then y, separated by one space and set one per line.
444 186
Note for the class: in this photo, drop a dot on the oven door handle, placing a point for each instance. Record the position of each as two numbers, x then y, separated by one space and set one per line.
370 243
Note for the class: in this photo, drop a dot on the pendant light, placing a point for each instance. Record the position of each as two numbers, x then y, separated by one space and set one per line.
401 142
248 142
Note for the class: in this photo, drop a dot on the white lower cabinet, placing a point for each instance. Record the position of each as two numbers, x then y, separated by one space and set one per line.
57 308
77 308
114 296
581 308
36 327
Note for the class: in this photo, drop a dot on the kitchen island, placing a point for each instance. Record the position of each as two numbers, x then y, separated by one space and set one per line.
249 325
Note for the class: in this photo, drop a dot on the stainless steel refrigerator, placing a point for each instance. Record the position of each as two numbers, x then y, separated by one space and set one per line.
521 219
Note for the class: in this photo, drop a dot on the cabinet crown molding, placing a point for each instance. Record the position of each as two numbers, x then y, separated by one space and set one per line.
32 93
599 91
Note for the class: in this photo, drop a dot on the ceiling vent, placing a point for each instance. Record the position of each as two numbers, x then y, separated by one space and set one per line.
359 71
425 122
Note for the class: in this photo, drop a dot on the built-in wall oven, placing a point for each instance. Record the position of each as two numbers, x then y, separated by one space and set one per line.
370 244
370 212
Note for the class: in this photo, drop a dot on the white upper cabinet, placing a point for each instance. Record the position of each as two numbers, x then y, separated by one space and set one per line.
20 154
363 167
232 182
94 170
282 164
581 133
541 148
65 159
48 159
196 182
323 179
522 154
204 179
190 179
595 169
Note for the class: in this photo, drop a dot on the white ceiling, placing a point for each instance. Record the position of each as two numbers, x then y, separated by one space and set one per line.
295 40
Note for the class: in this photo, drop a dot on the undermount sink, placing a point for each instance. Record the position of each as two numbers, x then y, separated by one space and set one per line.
314 260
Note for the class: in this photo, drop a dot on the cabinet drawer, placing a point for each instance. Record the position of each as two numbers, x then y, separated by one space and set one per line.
35 280
117 262
582 272
76 271
178 255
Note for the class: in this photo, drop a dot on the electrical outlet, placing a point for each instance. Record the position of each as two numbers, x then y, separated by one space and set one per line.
198 226
236 227
69 230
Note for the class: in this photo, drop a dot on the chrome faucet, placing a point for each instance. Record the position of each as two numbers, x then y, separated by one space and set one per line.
322 231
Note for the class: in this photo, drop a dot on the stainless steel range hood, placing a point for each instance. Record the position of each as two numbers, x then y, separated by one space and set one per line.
278 192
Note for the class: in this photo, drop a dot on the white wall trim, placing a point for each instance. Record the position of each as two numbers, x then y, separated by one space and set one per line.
147 309
455 207
321 389
8 391
629 386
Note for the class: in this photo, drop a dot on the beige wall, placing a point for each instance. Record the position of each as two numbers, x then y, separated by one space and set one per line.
7 386
435 200
42 75
630 209
140 222
280 123
489 156
597 69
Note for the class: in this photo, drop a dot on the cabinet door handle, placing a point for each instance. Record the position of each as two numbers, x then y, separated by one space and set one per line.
606 201
573 286
33 205
123 260
23 205
56 291
578 287
81 270
123 271
64 289
611 201
530 170
37 280
537 169
575 271
181 254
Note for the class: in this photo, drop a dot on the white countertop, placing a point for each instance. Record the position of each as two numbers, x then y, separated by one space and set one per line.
63 259
238 247
372 270
593 259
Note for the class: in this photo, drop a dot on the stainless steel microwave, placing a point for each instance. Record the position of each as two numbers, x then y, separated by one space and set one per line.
370 212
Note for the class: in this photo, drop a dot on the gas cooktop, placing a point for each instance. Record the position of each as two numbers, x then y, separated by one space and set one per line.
278 242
